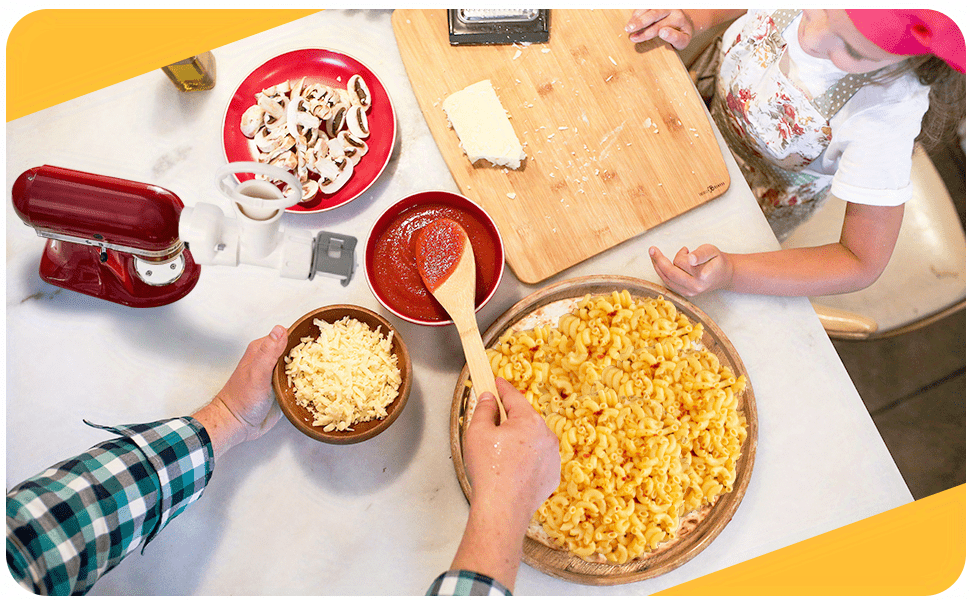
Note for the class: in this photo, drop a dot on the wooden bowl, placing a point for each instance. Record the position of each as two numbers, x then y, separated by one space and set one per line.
300 416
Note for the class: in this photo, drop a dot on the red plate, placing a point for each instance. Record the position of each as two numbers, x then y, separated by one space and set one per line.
318 65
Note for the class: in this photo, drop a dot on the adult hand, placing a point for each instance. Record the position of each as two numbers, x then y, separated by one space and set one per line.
675 27
513 468
692 273
515 463
245 408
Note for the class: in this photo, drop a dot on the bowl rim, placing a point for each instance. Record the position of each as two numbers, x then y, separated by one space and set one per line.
398 347
397 207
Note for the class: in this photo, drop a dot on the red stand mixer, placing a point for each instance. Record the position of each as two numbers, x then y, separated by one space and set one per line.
128 242
110 238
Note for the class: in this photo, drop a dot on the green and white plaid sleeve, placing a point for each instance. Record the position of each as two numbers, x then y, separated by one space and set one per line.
466 583
71 524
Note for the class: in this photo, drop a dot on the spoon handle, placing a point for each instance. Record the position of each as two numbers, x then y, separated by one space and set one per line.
481 372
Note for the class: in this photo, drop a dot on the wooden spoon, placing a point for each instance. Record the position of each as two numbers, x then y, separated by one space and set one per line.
446 263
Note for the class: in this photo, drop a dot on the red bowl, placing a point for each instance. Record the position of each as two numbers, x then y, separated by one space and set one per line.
390 266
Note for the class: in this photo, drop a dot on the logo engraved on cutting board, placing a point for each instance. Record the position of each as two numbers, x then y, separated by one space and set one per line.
712 188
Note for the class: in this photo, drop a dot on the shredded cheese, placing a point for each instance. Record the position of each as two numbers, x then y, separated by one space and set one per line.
347 375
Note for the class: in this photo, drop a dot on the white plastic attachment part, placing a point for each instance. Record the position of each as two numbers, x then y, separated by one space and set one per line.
254 236
261 205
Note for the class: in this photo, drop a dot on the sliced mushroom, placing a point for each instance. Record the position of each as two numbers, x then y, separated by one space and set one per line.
280 145
327 169
336 121
305 119
321 110
335 149
286 160
251 120
354 147
359 92
315 91
310 189
280 88
350 139
274 108
271 142
342 177
264 143
357 122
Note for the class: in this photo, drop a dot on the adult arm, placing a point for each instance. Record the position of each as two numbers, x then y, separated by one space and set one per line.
71 524
512 468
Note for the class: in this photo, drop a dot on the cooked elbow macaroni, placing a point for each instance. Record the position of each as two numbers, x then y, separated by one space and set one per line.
647 420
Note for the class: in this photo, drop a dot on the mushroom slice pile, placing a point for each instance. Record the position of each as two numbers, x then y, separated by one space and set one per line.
315 131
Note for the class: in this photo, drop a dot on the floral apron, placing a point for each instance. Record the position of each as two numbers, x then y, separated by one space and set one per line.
774 128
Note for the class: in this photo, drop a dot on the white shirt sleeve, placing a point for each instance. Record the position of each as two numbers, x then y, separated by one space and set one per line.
871 153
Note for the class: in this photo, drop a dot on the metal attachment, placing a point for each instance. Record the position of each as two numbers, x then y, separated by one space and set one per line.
334 255
160 273
497 26
99 242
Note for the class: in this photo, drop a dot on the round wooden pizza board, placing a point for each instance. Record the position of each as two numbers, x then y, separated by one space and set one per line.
699 528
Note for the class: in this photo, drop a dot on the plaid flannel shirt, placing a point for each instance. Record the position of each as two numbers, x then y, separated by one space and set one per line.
71 524
466 583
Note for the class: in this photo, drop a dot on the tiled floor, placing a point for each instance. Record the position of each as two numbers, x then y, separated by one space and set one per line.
915 384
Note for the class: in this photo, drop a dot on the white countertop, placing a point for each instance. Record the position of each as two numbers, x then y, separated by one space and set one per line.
288 515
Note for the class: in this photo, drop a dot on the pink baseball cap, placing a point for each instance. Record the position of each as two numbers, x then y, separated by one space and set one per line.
912 32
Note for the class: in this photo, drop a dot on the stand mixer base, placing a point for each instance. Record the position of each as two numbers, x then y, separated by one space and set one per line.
79 268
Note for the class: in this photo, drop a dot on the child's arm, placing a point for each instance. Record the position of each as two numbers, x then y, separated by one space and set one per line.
676 27
868 237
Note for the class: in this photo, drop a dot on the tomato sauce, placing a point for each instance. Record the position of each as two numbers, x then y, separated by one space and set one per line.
396 278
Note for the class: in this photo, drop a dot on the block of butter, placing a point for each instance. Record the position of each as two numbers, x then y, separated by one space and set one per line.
484 131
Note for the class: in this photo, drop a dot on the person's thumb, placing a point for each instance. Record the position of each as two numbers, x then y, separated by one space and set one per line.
271 347
486 409
702 254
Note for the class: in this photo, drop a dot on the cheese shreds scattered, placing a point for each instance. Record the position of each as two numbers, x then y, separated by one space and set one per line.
484 131
347 375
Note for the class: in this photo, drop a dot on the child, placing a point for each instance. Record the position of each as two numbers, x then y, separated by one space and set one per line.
813 103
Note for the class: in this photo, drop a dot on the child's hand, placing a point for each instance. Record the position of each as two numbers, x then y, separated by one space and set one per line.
691 273
672 26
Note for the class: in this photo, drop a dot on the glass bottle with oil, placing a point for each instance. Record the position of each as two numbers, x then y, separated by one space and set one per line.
193 74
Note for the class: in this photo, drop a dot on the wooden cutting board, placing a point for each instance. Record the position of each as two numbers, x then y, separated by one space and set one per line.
618 141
